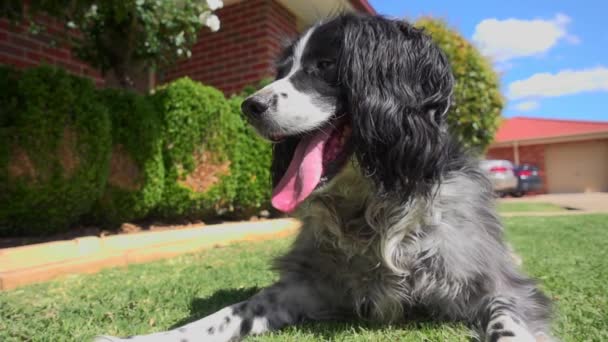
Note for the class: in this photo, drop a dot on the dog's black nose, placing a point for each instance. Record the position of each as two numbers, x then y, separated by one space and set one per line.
254 106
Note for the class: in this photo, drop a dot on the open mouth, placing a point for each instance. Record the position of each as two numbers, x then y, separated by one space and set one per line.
317 158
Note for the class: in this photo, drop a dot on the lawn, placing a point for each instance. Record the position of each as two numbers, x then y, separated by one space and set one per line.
517 207
567 253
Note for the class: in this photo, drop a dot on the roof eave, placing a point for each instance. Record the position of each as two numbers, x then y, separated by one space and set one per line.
551 140
363 6
310 12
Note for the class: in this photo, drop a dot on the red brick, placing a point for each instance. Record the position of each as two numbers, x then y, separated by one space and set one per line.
251 34
5 25
500 153
21 49
11 50
36 55
528 154
25 43
241 52
60 53
17 62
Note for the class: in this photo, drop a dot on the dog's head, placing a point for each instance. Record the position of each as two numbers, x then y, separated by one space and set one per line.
360 88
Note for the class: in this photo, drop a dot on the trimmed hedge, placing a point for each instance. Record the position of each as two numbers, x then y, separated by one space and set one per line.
251 157
213 162
137 173
54 150
192 117
70 154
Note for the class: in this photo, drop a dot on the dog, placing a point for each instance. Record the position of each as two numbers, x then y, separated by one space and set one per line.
398 221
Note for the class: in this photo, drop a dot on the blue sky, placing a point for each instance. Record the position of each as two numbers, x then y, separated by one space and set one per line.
552 54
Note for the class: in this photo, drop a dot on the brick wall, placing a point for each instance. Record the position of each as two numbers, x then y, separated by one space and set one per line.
504 153
528 154
532 154
243 50
239 54
535 154
21 49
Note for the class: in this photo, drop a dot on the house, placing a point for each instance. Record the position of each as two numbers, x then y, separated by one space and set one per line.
572 155
241 53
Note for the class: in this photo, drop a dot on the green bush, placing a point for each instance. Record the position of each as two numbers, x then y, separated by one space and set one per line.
477 101
214 164
250 164
54 150
193 128
137 173
69 152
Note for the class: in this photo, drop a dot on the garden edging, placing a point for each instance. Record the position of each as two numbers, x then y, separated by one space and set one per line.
45 261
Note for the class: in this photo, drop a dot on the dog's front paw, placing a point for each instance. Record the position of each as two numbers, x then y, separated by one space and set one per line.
510 336
506 328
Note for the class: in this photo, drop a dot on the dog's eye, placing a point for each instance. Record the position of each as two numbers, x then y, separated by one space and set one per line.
325 64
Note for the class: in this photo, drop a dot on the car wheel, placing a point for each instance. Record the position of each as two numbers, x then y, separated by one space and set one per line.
517 194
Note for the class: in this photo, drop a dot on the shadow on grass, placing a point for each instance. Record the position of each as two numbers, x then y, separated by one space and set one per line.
202 307
335 330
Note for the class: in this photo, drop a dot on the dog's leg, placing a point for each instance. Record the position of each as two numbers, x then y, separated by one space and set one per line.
282 304
502 323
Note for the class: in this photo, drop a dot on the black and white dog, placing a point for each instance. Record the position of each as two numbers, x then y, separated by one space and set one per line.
397 220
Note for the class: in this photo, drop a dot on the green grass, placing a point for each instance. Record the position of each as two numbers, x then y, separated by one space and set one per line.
515 207
567 253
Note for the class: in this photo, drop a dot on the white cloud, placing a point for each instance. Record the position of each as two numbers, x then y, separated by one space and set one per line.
527 106
565 82
513 38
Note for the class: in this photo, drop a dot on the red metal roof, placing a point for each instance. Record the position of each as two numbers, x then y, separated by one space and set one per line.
524 128
363 6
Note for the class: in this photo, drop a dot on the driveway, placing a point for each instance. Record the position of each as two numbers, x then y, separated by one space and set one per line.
588 202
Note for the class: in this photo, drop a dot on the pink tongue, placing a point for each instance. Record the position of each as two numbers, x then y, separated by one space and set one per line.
303 174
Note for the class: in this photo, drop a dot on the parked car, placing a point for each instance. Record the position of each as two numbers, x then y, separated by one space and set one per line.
528 179
501 174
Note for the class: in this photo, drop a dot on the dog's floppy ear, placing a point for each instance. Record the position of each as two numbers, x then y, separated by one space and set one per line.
397 84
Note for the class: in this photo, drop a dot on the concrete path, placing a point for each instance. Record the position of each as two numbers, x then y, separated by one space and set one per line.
550 213
583 203
42 262
578 204
45 261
